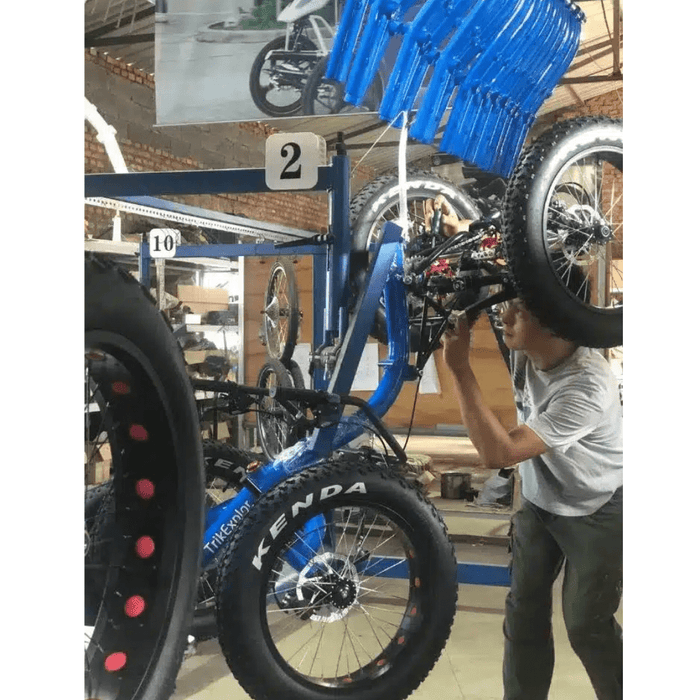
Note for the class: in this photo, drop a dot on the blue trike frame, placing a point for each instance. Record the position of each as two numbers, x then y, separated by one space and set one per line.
331 323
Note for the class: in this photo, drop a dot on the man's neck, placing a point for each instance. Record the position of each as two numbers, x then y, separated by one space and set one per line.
556 351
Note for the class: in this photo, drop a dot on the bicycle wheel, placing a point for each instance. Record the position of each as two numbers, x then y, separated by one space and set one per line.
297 374
378 202
344 581
281 314
142 548
563 230
277 80
322 95
275 423
225 468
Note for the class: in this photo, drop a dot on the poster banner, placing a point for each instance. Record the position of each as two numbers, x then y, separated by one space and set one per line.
248 60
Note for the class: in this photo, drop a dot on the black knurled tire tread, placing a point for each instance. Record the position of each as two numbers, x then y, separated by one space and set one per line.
265 507
517 196
107 264
97 264
95 495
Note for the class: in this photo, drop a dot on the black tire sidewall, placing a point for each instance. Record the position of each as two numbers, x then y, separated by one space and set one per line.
121 318
242 608
284 380
535 280
224 461
254 82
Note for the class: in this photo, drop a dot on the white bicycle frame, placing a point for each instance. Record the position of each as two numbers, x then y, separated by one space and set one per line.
323 32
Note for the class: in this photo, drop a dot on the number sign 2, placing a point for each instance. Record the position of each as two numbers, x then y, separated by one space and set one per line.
292 160
163 242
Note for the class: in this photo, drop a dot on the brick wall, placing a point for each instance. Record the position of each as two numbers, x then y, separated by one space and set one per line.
608 104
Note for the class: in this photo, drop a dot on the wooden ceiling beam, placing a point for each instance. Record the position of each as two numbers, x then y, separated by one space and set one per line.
617 35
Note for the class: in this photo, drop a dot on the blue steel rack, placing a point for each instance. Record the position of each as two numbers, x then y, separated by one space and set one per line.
145 187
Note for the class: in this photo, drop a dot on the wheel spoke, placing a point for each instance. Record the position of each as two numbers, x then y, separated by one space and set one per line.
348 651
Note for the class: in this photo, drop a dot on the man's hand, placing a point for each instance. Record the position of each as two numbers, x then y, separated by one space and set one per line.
451 223
456 345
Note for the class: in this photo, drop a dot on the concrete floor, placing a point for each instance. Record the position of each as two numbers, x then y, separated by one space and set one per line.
469 668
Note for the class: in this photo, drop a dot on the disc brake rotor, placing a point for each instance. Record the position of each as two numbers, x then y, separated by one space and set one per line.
586 230
330 585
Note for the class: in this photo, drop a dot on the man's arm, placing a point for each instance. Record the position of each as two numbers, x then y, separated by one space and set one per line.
496 446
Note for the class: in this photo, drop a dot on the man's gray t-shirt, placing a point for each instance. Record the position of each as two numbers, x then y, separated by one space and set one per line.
575 409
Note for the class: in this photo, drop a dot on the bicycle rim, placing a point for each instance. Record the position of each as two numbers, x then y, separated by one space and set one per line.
342 619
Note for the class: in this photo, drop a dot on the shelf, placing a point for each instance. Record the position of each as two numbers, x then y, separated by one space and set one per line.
201 327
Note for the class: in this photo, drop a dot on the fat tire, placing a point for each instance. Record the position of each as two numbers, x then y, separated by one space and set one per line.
256 91
158 433
227 462
318 76
243 632
524 232
382 193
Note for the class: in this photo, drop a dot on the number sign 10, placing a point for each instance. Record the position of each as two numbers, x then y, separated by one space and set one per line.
292 160
163 242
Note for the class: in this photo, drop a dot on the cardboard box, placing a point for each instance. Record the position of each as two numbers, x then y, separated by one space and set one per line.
221 431
201 299
100 464
194 357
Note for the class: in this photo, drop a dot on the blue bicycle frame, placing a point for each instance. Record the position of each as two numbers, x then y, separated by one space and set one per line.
384 277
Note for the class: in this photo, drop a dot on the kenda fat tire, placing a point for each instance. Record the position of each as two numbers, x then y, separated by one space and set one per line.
370 499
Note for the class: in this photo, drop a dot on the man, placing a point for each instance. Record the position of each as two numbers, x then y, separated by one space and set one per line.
569 448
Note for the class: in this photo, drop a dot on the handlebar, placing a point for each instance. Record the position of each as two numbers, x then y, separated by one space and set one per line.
311 397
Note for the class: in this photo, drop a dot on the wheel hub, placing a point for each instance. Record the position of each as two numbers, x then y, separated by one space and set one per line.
602 232
344 593
329 585
583 227
272 311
